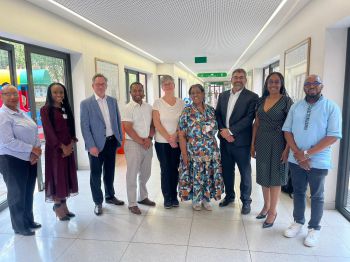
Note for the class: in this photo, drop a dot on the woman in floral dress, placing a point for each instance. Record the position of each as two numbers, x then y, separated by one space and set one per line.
200 164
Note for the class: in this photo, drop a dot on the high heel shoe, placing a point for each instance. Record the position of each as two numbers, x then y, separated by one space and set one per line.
267 225
65 208
57 208
261 216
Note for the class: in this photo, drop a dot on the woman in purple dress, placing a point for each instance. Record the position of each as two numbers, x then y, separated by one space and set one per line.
60 169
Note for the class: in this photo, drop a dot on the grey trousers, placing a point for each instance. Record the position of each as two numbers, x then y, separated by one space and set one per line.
139 164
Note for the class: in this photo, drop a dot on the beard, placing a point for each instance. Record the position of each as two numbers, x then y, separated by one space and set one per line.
238 85
313 97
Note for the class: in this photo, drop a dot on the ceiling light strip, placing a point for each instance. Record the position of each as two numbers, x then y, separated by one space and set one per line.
260 32
188 69
104 30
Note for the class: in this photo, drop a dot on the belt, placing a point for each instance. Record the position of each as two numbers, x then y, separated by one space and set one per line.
110 137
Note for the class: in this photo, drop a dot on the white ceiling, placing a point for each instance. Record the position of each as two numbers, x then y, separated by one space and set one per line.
179 30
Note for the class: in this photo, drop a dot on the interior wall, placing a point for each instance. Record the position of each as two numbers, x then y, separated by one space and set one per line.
45 29
189 78
327 58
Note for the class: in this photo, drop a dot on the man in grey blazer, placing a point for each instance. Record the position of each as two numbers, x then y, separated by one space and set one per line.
235 112
102 132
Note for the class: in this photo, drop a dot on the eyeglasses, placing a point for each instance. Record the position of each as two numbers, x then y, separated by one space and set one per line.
307 117
10 94
308 84
238 77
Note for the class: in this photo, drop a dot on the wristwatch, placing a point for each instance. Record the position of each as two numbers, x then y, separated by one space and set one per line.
150 137
306 154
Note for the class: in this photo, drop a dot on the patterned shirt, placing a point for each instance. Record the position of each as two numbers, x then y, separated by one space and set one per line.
200 129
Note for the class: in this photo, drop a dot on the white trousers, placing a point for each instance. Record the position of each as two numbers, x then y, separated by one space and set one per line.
139 164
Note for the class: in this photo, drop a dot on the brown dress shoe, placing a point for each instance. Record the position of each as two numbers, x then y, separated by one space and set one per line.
147 202
135 210
114 201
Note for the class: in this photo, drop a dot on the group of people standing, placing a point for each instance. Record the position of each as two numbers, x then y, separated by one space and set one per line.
194 166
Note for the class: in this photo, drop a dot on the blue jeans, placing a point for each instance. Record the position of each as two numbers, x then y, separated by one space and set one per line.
316 179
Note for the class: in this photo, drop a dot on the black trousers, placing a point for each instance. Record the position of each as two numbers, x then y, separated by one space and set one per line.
105 162
231 155
169 159
20 178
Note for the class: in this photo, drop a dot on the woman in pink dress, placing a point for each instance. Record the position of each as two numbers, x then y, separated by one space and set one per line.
60 168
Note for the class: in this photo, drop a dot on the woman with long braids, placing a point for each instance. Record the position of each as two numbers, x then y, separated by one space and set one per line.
60 169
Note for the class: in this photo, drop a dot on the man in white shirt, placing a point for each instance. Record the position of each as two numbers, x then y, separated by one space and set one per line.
102 132
138 125
235 112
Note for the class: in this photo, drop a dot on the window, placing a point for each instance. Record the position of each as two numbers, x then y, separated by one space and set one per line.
182 89
132 76
161 93
274 67
34 68
343 184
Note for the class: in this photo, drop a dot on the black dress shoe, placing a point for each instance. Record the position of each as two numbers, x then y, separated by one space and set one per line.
267 225
245 209
25 232
34 225
70 214
226 202
114 201
98 210
175 203
168 204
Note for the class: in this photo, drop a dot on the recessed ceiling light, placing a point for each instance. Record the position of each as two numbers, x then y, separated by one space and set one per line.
105 31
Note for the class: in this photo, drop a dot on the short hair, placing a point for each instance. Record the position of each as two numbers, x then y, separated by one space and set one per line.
166 78
200 87
5 84
134 84
240 70
98 75
314 75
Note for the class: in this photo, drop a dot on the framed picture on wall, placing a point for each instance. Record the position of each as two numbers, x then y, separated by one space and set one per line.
296 68
111 71
250 80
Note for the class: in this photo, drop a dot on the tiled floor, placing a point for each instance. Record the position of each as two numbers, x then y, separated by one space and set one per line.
179 234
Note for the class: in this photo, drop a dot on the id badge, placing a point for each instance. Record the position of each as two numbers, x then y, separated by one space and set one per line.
64 116
208 128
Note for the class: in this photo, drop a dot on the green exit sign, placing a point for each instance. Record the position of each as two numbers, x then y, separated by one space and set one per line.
220 74
200 59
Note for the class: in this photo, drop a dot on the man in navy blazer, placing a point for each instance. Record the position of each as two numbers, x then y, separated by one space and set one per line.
235 112
102 132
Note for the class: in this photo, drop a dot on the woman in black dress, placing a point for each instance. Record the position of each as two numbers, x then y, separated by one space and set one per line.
269 146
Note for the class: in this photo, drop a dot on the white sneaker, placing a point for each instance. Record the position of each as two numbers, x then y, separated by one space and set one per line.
207 205
293 230
311 239
197 206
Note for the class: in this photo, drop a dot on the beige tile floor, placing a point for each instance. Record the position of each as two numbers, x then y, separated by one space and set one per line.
167 235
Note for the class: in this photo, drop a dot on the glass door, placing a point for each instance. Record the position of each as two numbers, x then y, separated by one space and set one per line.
45 67
343 183
7 75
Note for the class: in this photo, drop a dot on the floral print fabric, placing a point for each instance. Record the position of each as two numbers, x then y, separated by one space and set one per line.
202 178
